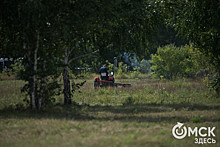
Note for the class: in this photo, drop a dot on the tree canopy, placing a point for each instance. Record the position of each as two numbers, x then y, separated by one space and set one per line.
55 33
198 21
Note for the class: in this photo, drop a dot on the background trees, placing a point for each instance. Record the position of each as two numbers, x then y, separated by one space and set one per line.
49 35
198 21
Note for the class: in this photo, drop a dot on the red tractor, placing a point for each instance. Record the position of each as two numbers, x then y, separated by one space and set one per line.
107 81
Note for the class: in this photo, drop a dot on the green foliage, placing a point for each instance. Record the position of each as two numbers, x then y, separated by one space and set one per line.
122 69
96 65
171 62
198 21
135 74
215 85
129 100
144 66
14 71
110 66
204 31
136 69
196 120
17 68
101 91
5 74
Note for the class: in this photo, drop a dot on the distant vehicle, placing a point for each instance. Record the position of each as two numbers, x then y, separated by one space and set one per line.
107 80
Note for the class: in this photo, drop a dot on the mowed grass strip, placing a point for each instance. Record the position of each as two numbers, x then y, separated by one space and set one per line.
142 115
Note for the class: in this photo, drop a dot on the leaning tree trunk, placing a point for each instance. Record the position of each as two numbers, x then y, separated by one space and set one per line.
66 81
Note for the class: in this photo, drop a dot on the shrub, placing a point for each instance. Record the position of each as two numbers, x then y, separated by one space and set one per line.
176 62
196 120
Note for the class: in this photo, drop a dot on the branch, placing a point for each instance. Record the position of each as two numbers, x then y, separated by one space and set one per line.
76 44
83 56
89 53
109 46
73 48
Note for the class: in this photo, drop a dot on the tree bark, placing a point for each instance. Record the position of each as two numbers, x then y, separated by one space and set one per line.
28 65
67 94
43 89
34 92
66 81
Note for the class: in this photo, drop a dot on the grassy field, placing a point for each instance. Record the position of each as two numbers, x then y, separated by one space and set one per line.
141 115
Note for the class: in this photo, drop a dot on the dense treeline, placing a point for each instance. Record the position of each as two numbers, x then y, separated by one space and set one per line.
53 36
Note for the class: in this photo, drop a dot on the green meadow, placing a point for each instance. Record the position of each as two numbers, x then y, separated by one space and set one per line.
141 115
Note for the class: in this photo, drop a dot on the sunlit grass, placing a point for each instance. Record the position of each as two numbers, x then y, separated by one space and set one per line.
141 115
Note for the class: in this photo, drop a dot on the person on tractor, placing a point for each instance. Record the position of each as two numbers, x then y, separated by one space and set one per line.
103 72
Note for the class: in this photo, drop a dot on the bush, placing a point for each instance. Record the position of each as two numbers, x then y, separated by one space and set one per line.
135 74
196 120
176 62
142 67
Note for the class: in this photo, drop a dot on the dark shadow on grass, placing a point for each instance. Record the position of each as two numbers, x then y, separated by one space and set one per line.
130 113
191 107
128 109
156 119
155 108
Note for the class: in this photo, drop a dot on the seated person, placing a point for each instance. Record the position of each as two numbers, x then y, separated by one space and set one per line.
103 72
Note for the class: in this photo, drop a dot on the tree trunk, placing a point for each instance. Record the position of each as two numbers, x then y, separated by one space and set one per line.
28 65
34 92
43 89
66 81
44 84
